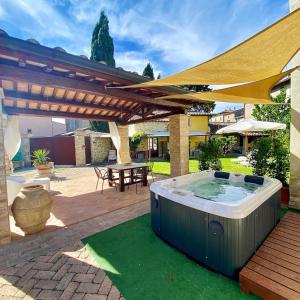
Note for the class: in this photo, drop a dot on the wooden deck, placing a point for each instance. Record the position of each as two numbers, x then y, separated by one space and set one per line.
274 271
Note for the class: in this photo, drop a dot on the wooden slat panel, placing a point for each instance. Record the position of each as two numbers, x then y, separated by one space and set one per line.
22 87
8 85
60 93
70 95
8 102
36 89
274 271
48 92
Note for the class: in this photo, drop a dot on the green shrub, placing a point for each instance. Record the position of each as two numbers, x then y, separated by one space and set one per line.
227 143
270 156
209 155
136 140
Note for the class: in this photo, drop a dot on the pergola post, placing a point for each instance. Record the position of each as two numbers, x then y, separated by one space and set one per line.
179 144
295 128
4 216
124 151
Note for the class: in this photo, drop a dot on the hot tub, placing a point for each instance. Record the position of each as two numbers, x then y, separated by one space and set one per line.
219 219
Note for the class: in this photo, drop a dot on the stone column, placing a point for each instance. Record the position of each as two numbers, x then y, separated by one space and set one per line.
80 148
4 217
295 127
124 151
179 145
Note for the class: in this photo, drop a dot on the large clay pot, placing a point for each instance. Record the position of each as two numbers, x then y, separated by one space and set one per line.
31 208
44 170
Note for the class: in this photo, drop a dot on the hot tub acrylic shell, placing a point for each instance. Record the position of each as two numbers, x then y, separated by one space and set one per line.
222 244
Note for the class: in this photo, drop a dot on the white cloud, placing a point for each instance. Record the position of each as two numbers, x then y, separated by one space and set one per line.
135 62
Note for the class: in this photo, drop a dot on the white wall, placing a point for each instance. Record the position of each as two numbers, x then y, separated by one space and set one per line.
40 127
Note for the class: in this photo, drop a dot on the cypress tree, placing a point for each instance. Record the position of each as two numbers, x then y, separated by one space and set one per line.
102 45
102 49
148 71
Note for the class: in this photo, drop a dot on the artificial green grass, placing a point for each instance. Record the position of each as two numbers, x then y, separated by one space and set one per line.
144 267
163 167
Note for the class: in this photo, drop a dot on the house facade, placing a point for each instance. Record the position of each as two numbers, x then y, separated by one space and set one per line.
156 145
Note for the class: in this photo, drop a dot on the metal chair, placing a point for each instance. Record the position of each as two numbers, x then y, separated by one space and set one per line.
150 170
103 175
137 175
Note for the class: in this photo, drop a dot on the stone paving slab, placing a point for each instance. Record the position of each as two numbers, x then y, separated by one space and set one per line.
56 265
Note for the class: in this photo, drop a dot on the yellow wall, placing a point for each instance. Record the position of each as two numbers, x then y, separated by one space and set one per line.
197 123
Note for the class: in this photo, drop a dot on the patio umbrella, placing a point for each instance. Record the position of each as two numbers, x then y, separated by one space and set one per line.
248 125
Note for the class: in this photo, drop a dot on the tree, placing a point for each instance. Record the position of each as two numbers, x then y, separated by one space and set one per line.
102 46
102 50
158 76
148 71
275 113
227 143
201 107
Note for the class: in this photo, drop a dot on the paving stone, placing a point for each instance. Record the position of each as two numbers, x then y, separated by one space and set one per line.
9 271
114 294
61 272
26 277
43 266
44 274
34 292
105 286
92 270
23 270
28 285
84 277
86 287
100 275
59 263
65 281
42 258
54 258
69 291
94 297
46 284
8 291
78 296
49 295
9 279
79 268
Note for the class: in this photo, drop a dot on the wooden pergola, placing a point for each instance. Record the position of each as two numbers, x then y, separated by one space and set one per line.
43 81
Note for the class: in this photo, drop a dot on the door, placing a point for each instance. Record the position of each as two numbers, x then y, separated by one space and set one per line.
87 143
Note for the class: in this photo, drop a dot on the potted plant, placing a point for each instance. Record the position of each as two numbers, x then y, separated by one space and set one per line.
41 161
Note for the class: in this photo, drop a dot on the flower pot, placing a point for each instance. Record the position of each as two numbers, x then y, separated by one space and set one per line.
285 196
31 208
44 170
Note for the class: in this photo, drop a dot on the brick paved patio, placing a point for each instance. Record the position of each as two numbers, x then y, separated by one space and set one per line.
54 264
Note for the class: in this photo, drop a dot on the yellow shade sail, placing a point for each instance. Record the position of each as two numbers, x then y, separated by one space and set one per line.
261 56
257 92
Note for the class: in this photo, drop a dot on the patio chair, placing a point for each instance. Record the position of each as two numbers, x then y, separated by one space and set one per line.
150 169
103 175
112 155
137 175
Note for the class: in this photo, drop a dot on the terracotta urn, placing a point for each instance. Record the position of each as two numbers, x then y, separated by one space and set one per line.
31 208
44 170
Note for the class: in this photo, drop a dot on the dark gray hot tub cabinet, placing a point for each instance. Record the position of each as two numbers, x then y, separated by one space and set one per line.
222 244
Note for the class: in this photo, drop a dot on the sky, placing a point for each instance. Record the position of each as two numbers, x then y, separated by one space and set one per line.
171 35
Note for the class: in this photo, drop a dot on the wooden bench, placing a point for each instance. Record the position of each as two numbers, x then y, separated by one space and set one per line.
274 271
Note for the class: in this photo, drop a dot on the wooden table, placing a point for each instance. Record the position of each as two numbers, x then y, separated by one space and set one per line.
121 168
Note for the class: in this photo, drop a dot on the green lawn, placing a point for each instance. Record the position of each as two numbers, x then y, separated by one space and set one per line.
142 266
163 167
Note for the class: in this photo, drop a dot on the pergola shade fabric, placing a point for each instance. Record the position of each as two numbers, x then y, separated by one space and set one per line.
257 92
263 55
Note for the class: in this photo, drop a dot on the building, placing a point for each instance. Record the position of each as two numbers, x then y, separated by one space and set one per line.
227 116
40 127
157 142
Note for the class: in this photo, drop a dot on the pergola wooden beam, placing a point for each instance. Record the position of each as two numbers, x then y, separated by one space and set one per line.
21 96
13 73
152 118
58 114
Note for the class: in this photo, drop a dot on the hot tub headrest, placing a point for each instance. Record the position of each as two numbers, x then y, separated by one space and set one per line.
224 175
254 179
